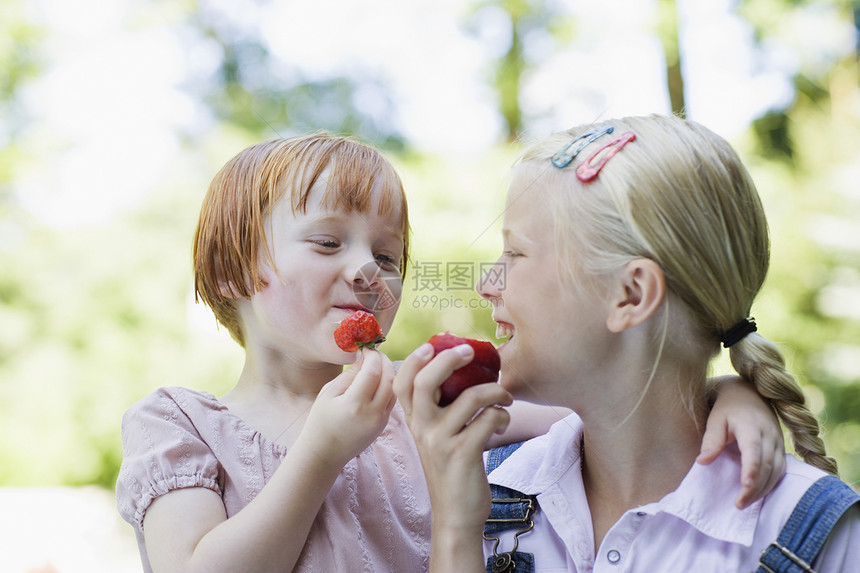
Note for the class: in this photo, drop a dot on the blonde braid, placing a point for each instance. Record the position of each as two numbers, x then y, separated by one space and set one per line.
759 360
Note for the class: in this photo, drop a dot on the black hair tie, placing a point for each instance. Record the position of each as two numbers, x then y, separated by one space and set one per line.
738 332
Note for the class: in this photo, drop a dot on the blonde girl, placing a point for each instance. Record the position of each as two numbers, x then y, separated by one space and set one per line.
632 249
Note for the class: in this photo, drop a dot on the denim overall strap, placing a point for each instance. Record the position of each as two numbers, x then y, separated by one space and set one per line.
511 509
808 527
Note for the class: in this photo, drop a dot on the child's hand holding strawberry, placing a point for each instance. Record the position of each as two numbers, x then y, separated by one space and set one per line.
351 410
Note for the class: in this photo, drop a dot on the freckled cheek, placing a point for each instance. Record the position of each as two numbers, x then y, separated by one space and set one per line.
271 304
285 299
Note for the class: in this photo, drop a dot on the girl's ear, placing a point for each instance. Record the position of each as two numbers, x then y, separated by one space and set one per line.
637 294
226 288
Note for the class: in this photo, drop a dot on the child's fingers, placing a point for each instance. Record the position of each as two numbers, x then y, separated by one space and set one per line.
368 379
392 401
428 381
409 368
778 457
754 471
776 468
476 399
714 440
489 421
385 390
758 482
341 383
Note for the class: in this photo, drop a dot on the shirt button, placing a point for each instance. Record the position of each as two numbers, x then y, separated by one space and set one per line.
613 556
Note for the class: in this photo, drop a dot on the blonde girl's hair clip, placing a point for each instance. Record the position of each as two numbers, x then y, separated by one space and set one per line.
568 153
588 170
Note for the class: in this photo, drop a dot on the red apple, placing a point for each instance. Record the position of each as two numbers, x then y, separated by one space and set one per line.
483 368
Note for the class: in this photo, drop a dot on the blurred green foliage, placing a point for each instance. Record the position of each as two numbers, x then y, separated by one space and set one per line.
528 22
254 91
805 161
93 318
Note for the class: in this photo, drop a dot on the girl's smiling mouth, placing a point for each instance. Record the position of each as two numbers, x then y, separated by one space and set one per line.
504 329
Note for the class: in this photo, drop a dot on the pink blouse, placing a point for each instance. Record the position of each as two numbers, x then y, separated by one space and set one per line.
376 516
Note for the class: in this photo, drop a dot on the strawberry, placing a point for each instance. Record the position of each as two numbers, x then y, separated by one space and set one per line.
484 367
358 330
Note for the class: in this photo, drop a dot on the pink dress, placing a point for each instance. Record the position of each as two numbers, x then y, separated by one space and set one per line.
375 518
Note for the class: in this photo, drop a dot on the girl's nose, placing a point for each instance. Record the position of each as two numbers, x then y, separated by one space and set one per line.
357 265
492 282
367 275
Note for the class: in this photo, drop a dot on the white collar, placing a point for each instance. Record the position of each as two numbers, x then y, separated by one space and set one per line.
704 499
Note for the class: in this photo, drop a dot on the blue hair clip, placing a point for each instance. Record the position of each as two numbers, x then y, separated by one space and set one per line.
566 154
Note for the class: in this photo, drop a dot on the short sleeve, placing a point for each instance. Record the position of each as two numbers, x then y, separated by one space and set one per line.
162 451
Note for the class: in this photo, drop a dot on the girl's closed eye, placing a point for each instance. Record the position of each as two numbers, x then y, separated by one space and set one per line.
326 243
387 262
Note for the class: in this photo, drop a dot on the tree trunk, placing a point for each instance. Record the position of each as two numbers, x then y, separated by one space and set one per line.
668 33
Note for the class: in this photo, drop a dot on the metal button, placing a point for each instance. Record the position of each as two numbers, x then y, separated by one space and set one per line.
613 556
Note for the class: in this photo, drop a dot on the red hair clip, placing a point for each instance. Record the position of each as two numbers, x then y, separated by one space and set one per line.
588 170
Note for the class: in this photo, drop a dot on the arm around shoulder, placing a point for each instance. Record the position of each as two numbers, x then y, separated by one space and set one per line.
527 421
